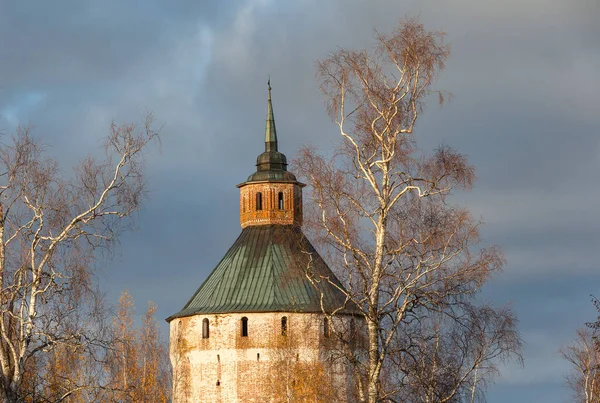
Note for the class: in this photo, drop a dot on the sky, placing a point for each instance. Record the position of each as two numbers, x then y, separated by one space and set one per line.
526 91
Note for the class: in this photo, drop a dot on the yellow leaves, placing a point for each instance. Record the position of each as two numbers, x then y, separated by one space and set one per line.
132 367
301 378
140 370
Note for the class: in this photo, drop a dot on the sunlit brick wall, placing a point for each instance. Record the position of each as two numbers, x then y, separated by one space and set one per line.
269 210
227 367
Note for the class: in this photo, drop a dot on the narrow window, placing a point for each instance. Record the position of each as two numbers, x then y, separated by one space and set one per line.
259 201
280 200
326 327
244 327
205 329
284 326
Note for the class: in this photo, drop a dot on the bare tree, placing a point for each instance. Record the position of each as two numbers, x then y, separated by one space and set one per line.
584 357
453 358
123 357
138 361
155 383
301 376
51 228
382 212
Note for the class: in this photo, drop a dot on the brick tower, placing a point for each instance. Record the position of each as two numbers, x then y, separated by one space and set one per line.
256 329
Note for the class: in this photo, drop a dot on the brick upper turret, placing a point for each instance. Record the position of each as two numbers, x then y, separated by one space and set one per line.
271 195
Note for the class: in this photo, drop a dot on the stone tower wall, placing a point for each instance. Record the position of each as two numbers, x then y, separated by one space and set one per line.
269 212
227 367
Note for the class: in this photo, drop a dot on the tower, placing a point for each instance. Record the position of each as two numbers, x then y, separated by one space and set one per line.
256 330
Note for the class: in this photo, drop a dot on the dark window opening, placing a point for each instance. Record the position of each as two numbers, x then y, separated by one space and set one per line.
280 200
259 201
326 327
257 356
218 383
205 329
284 326
244 327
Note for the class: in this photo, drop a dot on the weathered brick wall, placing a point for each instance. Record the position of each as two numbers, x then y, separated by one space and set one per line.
269 212
227 367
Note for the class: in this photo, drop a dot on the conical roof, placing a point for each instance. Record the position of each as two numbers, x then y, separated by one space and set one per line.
266 271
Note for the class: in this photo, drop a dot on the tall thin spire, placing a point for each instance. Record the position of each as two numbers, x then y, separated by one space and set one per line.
270 132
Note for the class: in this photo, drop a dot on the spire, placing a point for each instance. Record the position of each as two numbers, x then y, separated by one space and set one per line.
271 164
270 132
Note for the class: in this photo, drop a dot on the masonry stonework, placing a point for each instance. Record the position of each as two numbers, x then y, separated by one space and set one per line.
228 367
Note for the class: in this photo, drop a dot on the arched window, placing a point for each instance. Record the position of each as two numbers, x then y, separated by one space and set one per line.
205 329
326 332
244 327
280 200
259 201
284 326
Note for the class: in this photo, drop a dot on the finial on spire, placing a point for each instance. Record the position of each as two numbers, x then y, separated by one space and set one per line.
270 132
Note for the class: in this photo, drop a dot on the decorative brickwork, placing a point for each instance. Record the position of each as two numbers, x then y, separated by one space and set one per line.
278 203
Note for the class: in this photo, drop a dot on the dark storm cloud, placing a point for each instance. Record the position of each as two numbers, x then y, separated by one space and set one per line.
525 94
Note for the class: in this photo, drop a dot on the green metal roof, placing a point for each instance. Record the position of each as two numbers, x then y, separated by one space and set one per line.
265 271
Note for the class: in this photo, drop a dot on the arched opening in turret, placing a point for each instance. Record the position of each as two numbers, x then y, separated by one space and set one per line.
284 326
258 201
244 327
205 329
280 200
326 332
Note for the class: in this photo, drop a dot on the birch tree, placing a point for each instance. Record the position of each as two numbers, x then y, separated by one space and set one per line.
52 227
584 357
456 358
306 379
138 361
124 356
155 369
381 208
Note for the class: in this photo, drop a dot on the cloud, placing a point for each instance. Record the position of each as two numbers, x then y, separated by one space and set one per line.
525 85
235 49
21 106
